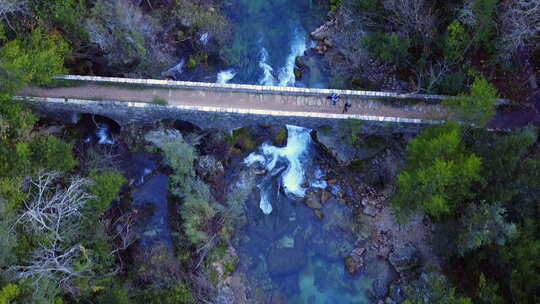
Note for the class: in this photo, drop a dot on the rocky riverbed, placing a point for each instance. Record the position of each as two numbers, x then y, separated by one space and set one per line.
329 236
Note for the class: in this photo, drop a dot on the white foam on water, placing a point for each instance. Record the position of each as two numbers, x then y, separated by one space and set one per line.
293 154
102 134
265 204
298 47
204 38
268 72
319 182
225 76
176 70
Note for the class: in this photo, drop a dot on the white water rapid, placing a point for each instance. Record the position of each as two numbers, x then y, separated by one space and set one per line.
225 76
268 72
298 47
294 154
102 133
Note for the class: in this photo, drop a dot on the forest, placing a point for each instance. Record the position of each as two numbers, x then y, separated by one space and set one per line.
66 225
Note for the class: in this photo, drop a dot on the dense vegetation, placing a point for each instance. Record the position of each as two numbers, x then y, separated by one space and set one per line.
482 190
438 46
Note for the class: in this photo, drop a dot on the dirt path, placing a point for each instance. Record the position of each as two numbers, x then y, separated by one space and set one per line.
240 100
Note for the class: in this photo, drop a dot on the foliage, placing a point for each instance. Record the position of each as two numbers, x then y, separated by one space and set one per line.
51 153
127 37
16 121
115 295
196 214
11 195
438 175
502 157
196 211
9 293
388 47
484 12
351 128
483 224
521 258
160 101
105 187
433 289
477 107
456 41
203 20
32 59
14 159
487 292
65 15
178 293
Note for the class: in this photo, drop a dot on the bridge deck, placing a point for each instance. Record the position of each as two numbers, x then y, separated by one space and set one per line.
243 100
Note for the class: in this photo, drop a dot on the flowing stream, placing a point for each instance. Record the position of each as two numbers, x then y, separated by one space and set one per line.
287 249
269 36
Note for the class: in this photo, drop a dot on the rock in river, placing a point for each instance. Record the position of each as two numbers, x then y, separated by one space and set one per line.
406 260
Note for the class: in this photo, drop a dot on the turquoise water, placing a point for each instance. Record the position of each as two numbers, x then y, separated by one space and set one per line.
286 250
269 35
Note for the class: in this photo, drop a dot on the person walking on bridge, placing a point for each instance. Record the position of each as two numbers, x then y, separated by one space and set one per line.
346 107
335 98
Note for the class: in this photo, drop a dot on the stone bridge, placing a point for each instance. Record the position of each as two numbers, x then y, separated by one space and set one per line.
228 106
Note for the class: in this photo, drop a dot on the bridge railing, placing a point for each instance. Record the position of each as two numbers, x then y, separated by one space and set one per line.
254 89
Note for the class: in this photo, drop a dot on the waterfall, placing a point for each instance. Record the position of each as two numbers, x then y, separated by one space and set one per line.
293 155
102 133
298 47
268 77
225 76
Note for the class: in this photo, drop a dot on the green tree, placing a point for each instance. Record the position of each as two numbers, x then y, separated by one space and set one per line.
388 47
477 107
502 157
63 15
105 187
487 292
31 59
52 154
178 293
438 174
455 41
521 260
433 288
485 13
8 293
483 224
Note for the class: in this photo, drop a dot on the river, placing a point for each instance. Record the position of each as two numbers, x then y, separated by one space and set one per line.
269 35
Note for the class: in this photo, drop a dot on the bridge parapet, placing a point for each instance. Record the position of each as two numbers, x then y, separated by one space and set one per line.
208 117
253 89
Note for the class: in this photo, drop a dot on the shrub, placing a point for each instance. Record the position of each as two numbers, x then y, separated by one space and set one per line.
51 153
388 47
481 225
178 293
160 101
9 293
197 215
34 59
456 41
105 187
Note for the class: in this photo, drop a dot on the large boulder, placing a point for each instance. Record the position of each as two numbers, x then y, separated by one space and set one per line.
355 261
284 261
406 260
323 31
383 274
344 152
